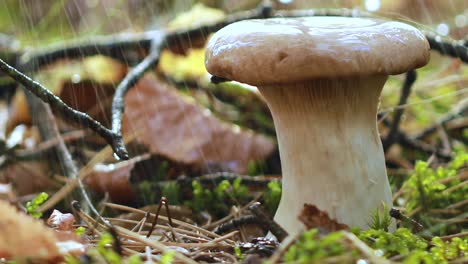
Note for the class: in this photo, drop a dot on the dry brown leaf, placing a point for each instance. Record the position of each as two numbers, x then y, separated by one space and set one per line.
312 217
28 177
60 221
67 240
6 192
175 127
22 237
114 179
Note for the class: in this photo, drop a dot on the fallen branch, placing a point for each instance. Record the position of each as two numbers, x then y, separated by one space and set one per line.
236 223
118 104
393 134
267 222
455 49
459 111
58 106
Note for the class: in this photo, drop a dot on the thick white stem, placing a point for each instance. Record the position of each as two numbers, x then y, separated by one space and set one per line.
331 154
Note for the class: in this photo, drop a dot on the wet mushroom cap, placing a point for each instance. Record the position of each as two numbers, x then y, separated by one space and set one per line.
285 50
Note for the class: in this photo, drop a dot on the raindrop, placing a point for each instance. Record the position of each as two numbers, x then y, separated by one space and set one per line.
362 261
372 5
401 201
286 2
460 21
443 29
236 129
379 253
76 78
207 112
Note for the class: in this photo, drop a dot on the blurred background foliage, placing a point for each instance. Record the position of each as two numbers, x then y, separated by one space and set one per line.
53 20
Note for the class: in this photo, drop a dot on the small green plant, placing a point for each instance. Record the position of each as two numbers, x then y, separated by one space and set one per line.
167 257
134 259
218 200
413 249
31 206
172 193
104 248
380 219
272 196
428 189
401 242
238 253
310 248
443 251
80 230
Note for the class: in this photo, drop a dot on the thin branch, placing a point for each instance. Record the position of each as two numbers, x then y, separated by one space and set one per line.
392 135
455 49
63 109
66 162
267 222
459 111
118 104
407 142
116 46
236 223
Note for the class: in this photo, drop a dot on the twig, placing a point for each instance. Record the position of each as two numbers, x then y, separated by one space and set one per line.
395 213
136 237
118 104
177 222
63 109
71 185
393 134
454 49
162 201
462 234
459 111
236 223
66 162
407 142
269 223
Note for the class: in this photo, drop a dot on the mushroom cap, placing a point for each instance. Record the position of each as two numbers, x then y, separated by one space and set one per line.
285 50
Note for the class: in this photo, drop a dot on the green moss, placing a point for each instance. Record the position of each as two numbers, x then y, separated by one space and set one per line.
435 188
218 200
311 248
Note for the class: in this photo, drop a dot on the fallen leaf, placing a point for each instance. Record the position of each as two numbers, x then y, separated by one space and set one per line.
68 243
6 192
114 179
60 221
312 217
23 238
28 177
174 126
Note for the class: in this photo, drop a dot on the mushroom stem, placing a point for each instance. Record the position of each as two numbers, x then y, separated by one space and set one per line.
331 153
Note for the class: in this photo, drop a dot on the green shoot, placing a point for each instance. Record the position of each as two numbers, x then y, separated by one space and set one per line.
31 206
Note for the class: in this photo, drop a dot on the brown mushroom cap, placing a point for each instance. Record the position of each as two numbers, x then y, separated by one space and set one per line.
285 50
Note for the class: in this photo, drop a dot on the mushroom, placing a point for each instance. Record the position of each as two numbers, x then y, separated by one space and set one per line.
322 78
